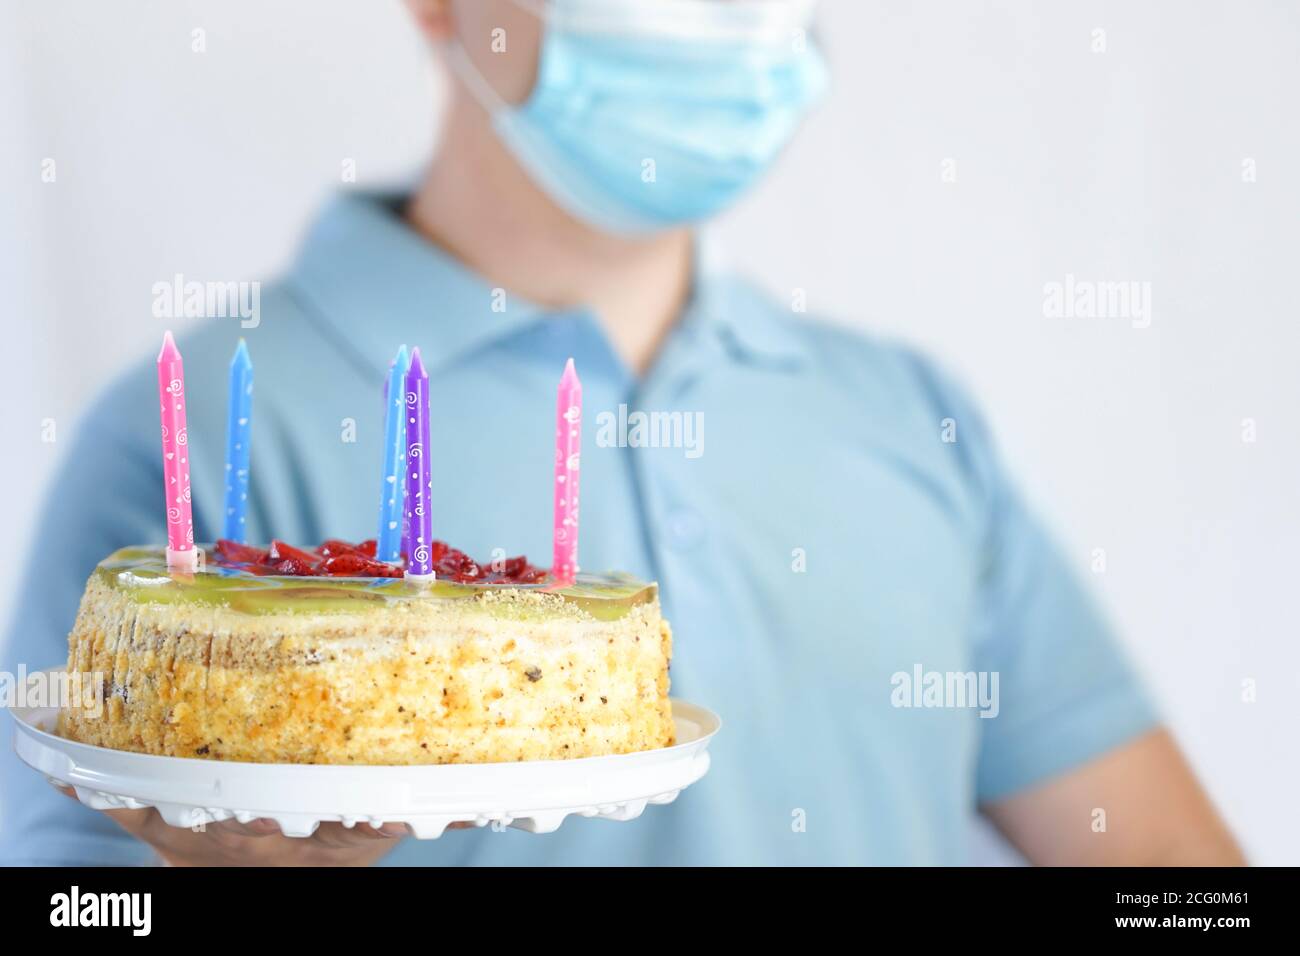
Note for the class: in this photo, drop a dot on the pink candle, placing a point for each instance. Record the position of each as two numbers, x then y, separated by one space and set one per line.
568 448
176 457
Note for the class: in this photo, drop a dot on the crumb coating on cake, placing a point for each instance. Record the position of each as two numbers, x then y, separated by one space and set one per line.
506 675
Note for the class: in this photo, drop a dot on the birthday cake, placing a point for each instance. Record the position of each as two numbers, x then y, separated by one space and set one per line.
328 656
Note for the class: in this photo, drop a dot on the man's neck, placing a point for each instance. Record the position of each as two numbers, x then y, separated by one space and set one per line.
477 203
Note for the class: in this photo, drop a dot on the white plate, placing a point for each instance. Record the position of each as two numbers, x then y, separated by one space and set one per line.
532 795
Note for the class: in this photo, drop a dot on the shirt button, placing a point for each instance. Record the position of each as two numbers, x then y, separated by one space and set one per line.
685 529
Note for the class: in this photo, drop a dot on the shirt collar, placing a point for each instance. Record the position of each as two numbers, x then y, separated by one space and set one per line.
749 324
372 282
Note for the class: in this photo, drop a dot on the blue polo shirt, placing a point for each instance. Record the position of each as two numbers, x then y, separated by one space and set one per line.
839 550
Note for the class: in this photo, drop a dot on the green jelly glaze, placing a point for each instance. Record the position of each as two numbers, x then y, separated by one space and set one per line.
142 574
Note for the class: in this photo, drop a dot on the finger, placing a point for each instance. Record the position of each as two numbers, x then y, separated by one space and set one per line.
134 822
258 827
337 836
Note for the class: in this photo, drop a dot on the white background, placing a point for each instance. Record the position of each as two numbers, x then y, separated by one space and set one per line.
1120 165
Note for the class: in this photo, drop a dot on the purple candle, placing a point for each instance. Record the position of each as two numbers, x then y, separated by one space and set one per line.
419 477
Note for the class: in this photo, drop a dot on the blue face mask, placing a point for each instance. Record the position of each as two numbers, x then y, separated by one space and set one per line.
648 114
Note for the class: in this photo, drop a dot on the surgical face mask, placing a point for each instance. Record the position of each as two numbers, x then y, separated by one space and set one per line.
648 114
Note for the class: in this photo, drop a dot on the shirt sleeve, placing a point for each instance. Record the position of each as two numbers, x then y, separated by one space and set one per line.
106 494
1066 691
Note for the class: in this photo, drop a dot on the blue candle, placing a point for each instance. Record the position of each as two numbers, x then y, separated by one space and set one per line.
238 430
392 488
419 478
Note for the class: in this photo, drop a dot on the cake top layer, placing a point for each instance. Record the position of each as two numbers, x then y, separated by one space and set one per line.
335 557
322 581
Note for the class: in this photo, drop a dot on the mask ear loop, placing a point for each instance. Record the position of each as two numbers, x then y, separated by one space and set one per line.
473 77
478 85
482 90
536 7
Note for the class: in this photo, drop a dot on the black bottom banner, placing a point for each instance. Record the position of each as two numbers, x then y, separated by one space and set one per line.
334 905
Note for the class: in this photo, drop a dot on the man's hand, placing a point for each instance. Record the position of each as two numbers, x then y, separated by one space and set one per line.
1156 813
258 842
